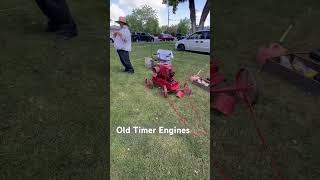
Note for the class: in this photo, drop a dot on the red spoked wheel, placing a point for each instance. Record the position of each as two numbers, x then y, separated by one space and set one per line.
164 91
148 83
247 87
186 90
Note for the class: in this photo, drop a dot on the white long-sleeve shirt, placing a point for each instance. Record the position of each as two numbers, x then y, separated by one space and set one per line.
124 42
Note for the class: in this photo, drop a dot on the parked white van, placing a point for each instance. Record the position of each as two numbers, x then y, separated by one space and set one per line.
198 41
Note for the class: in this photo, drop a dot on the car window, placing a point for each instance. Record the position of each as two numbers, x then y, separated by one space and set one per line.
143 34
192 36
196 35
208 35
205 35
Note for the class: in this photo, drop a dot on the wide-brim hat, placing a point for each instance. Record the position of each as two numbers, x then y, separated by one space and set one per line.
122 19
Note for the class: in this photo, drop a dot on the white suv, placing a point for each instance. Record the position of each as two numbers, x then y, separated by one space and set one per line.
198 41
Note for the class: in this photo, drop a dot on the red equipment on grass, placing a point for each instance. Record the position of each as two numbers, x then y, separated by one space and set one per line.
301 68
163 77
245 88
247 91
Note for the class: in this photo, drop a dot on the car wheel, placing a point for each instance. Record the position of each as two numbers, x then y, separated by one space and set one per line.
181 47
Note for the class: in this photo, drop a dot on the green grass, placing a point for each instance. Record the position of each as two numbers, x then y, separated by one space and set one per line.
287 116
158 156
53 95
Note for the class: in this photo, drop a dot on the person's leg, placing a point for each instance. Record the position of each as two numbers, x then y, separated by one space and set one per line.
121 56
59 16
65 19
43 7
127 61
46 10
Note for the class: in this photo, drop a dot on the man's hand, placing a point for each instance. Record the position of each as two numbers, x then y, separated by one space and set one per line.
117 34
120 34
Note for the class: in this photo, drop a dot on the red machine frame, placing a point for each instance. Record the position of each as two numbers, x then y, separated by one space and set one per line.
245 88
163 77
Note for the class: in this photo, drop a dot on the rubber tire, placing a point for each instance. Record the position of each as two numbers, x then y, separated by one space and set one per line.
181 47
164 91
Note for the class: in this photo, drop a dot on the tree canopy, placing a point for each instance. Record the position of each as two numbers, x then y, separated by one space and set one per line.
183 26
144 20
204 14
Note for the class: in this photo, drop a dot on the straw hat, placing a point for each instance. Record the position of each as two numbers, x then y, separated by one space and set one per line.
122 19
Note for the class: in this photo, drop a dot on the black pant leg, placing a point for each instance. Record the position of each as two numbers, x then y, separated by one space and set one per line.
121 59
58 14
47 11
126 59
43 7
63 15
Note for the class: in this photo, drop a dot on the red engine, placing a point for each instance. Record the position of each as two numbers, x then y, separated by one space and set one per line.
163 76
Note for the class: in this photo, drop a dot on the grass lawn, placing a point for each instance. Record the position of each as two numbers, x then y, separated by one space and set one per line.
53 95
158 156
287 116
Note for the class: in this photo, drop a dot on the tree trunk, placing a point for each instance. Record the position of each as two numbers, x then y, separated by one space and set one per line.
204 14
192 15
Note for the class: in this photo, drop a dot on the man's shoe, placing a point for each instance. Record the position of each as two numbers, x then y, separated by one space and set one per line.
68 31
66 35
52 27
130 72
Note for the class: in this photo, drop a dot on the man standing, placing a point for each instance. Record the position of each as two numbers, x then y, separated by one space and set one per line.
122 42
59 17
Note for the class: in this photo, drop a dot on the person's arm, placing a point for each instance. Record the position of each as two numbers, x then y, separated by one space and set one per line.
115 34
125 36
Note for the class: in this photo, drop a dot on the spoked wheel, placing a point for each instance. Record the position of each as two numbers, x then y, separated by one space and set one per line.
148 83
164 91
186 90
250 92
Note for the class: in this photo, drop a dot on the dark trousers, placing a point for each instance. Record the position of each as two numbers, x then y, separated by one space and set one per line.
58 13
125 60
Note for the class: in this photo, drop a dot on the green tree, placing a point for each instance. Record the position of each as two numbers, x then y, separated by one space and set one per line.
134 23
183 26
172 29
164 28
205 11
143 19
169 30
